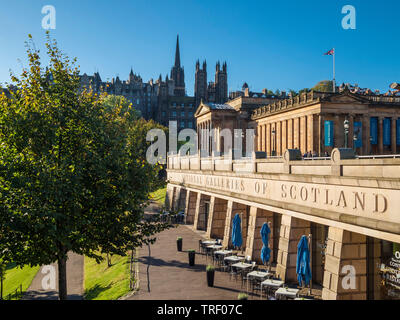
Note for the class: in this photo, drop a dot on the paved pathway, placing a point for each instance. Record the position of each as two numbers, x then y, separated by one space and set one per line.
75 277
171 277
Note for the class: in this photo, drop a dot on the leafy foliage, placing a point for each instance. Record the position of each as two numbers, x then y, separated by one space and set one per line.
73 173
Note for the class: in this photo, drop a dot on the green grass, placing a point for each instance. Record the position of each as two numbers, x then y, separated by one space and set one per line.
16 276
159 195
106 283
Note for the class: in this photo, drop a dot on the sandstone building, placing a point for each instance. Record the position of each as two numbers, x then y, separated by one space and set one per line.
165 99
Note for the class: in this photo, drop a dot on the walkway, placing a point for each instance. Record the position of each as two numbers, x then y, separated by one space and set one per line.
171 277
75 278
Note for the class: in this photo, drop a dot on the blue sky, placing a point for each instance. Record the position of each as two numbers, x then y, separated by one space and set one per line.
268 44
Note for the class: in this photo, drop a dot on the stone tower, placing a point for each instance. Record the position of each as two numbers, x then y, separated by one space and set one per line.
200 86
221 83
177 73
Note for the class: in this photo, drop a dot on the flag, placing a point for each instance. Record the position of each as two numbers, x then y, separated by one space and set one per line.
330 52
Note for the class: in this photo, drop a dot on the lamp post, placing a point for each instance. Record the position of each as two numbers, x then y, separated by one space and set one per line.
346 132
273 142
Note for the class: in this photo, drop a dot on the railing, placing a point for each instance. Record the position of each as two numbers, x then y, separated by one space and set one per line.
380 156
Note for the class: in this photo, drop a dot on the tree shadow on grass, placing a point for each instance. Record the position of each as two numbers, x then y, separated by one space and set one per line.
94 292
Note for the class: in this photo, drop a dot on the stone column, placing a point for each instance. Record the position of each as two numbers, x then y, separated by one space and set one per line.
290 234
366 135
296 133
380 135
254 242
345 266
337 142
393 132
227 229
279 138
268 138
290 134
284 136
177 194
303 134
321 144
169 197
310 133
197 212
216 218
350 140
190 208
263 132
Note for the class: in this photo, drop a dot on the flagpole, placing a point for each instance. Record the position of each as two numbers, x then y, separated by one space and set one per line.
334 75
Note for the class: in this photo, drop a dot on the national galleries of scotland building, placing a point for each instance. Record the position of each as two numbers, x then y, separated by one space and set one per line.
324 164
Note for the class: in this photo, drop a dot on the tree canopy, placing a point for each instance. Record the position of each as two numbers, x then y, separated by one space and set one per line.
73 176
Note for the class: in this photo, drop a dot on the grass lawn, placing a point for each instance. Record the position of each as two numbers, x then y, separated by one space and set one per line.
159 195
106 283
16 276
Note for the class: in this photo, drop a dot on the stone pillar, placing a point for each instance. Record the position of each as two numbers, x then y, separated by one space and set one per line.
197 212
296 133
169 197
303 135
346 252
284 136
268 138
254 242
380 135
350 140
290 134
177 195
393 132
310 133
216 218
279 138
290 234
228 220
321 121
182 199
232 210
337 141
263 132
190 208
366 135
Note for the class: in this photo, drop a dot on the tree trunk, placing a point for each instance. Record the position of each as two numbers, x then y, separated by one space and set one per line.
62 278
1 289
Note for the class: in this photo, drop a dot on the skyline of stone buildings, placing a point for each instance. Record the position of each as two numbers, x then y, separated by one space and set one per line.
166 99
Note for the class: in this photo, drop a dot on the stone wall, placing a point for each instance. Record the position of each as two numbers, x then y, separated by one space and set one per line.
217 216
345 250
292 229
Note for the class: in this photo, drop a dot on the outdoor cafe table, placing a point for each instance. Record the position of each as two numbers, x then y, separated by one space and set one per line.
259 275
270 283
233 259
223 252
215 247
286 292
242 265
209 242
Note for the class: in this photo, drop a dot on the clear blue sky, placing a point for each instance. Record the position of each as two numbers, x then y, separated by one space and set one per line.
268 44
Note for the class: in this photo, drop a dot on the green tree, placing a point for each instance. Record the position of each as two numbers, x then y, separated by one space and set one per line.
70 176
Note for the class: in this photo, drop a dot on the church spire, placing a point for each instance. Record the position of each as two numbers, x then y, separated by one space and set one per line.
177 53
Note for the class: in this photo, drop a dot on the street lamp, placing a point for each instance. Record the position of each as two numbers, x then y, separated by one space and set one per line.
273 142
346 132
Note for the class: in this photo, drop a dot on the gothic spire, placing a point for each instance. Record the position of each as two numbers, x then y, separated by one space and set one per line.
177 53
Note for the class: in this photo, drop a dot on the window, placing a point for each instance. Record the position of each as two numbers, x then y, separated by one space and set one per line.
191 114
182 124
174 104
190 124
174 113
163 114
183 114
182 104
